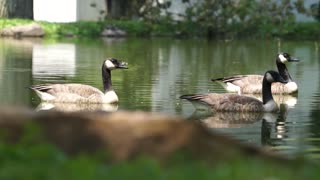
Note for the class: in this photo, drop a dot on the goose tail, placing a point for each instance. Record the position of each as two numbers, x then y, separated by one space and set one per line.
40 87
197 101
192 97
42 91
229 79
217 79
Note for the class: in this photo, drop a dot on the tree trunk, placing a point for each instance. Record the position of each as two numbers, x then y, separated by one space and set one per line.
117 8
16 9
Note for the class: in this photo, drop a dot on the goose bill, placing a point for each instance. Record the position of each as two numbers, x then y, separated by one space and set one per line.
292 59
123 65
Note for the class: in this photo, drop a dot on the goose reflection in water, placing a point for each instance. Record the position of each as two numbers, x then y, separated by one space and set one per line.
273 128
280 129
235 119
72 107
240 119
289 100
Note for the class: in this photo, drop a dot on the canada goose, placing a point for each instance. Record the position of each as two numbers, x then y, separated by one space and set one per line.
80 93
234 102
251 84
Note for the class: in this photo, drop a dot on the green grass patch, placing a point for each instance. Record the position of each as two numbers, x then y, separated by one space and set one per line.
34 158
167 27
13 22
44 161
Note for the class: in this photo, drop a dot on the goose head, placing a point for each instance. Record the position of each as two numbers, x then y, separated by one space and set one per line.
112 63
285 57
108 65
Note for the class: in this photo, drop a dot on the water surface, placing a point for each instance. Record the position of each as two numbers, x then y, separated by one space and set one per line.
160 70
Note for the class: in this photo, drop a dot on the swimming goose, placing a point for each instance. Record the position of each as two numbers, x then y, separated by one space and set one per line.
251 84
239 103
80 93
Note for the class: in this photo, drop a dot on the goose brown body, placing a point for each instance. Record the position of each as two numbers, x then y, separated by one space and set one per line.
71 93
227 102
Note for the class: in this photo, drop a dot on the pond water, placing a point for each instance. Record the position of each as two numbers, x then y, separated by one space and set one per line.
160 70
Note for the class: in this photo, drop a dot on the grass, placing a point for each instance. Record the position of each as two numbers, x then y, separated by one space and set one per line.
167 28
30 160
80 29
47 162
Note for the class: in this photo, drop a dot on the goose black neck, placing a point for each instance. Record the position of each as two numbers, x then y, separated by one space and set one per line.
283 71
106 78
266 91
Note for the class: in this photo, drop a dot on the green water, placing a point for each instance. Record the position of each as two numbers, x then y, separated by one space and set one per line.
160 70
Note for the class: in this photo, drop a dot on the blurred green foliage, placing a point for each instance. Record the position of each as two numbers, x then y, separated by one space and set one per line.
34 158
44 161
227 18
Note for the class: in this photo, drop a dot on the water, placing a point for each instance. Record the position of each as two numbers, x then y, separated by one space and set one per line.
160 70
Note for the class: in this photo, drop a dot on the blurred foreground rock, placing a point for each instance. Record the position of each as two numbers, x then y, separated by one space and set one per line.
125 134
29 30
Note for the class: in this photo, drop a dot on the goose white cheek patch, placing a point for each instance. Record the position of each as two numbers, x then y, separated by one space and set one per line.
282 58
269 77
109 64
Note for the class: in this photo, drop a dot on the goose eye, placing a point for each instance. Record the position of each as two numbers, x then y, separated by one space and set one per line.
114 61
